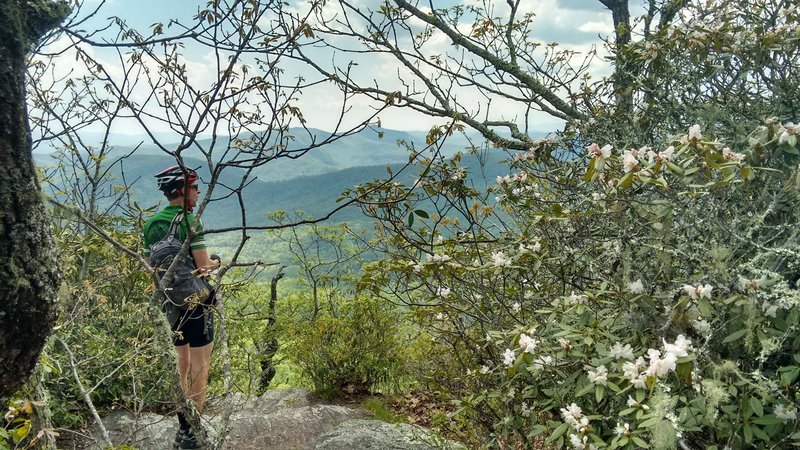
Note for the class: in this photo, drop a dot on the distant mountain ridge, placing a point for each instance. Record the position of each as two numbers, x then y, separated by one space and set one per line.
311 183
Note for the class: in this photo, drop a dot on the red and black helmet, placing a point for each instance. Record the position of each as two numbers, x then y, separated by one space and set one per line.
173 178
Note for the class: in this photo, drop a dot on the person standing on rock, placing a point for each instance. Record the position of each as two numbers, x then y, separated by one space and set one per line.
193 328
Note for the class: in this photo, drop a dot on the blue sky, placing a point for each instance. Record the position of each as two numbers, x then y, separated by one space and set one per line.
576 24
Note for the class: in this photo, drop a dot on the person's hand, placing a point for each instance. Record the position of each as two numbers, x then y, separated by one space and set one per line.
217 260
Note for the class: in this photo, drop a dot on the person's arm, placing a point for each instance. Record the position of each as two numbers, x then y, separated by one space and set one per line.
203 261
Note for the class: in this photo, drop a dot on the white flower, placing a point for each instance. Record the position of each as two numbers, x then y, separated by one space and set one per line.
418 267
598 376
526 248
459 174
667 154
439 316
704 291
679 348
788 134
785 414
597 196
770 310
575 299
629 160
595 150
636 287
635 372
702 326
516 307
694 132
572 414
542 361
438 258
527 343
730 155
660 366
618 351
509 357
501 260
634 404
698 292
525 410
565 343
443 292
623 429
503 180
747 283
484 369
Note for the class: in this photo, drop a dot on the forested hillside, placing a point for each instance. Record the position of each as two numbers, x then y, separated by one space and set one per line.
628 280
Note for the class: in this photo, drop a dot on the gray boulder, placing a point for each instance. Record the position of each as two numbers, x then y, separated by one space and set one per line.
376 435
284 419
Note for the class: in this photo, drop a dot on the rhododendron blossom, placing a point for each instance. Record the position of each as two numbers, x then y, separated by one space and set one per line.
788 134
595 150
509 357
501 260
785 414
527 343
618 351
730 155
629 160
695 132
598 376
636 287
698 292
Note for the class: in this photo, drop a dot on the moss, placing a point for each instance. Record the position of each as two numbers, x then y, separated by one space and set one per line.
43 16
23 23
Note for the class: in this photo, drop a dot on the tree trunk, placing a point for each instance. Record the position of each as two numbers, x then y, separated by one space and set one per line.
28 266
271 347
623 79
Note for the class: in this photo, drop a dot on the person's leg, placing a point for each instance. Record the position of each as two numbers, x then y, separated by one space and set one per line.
200 364
184 363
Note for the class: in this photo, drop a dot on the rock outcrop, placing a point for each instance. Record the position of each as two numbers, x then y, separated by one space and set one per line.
284 419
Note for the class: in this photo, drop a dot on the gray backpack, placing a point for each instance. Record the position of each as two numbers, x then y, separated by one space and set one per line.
187 289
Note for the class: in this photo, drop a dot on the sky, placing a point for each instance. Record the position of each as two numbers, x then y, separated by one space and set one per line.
578 25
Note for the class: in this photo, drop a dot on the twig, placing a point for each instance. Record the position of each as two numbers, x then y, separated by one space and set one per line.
86 398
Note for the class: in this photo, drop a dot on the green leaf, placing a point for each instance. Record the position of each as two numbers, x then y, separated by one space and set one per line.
421 213
626 181
537 430
599 392
705 307
640 442
769 419
590 170
748 433
674 168
735 335
557 433
410 220
789 376
756 407
761 434
586 389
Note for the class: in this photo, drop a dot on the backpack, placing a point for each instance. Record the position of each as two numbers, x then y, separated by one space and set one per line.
187 289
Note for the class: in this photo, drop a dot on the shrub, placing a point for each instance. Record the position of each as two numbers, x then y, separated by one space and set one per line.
360 347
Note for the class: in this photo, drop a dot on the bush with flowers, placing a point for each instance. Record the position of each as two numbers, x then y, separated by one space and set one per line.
632 283
607 299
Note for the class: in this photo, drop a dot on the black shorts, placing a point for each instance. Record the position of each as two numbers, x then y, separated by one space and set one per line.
194 327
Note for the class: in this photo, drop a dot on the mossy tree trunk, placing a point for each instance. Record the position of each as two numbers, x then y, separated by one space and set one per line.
28 266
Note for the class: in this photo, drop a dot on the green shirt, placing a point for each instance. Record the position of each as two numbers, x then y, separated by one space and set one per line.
156 228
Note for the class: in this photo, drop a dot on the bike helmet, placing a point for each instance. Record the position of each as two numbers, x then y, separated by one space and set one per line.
174 178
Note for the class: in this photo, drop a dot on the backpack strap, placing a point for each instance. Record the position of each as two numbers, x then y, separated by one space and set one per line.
174 228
